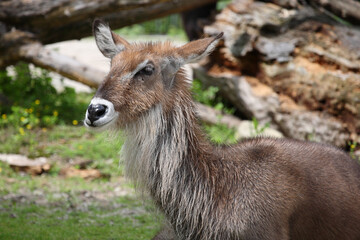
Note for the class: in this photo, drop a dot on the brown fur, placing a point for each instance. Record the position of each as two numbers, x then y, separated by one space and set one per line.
261 188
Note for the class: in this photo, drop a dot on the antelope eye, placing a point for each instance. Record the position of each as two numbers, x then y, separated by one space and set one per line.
147 70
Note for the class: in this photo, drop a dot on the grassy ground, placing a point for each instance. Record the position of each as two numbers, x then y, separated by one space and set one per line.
124 218
53 207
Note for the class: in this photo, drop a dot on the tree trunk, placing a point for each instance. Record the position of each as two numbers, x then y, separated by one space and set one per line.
42 21
297 69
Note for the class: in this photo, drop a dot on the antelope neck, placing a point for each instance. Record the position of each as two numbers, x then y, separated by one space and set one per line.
159 143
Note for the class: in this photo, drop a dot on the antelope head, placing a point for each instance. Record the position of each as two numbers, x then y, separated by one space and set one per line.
141 76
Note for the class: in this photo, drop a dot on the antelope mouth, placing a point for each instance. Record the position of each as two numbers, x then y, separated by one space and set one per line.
100 114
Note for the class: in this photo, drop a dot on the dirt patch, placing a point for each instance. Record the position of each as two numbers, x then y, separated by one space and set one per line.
78 200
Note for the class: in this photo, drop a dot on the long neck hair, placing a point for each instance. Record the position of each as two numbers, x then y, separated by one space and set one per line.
165 155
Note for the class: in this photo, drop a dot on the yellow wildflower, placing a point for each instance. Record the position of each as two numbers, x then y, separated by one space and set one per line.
80 147
28 126
22 119
21 131
75 122
4 116
44 129
37 101
55 113
30 110
0 170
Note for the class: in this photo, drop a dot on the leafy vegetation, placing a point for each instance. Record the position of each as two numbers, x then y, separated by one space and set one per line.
218 133
29 101
170 25
209 96
259 129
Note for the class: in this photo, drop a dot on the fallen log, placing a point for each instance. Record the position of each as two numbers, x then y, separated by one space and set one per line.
66 66
297 69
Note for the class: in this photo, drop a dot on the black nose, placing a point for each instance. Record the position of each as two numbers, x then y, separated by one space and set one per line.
96 111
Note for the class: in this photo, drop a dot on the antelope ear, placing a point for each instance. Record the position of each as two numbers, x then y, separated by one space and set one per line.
196 50
107 41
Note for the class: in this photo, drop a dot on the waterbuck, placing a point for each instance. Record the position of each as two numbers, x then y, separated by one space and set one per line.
260 188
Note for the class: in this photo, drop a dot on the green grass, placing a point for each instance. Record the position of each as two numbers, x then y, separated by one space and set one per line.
65 142
32 221
53 207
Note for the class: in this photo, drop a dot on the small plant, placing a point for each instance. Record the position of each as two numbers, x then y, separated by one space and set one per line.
353 145
259 130
209 97
205 96
221 134
218 133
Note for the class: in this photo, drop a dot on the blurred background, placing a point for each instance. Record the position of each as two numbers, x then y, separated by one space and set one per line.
285 68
